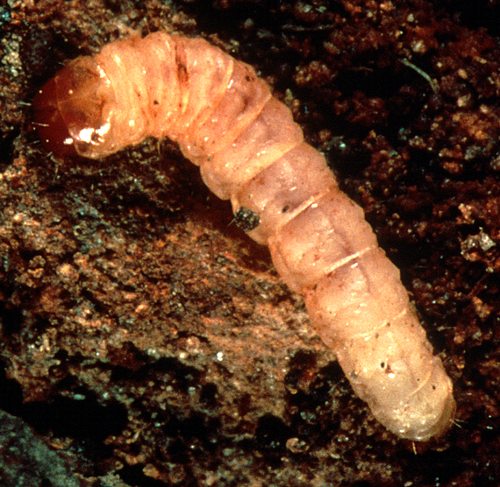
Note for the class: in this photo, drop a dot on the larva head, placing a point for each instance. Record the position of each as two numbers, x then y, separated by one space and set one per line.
72 111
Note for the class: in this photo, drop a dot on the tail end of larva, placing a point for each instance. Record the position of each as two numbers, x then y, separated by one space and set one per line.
428 413
440 427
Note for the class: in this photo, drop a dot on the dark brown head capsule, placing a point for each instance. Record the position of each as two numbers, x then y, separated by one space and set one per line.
71 111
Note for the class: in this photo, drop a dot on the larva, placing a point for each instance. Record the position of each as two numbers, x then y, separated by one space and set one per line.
251 152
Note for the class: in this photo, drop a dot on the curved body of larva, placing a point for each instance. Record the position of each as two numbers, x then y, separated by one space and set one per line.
250 151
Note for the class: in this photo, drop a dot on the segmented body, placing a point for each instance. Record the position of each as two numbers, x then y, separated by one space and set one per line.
250 151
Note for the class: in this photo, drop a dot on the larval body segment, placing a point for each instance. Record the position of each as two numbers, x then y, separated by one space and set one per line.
251 152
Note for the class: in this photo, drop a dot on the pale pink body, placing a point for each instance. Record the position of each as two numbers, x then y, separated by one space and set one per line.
250 151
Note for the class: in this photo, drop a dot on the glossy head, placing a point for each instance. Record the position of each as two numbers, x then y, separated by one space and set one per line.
49 123
72 111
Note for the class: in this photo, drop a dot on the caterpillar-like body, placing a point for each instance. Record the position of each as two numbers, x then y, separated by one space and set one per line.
251 152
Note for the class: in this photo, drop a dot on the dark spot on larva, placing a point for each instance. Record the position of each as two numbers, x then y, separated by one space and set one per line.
182 74
245 101
246 219
156 102
285 209
382 365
